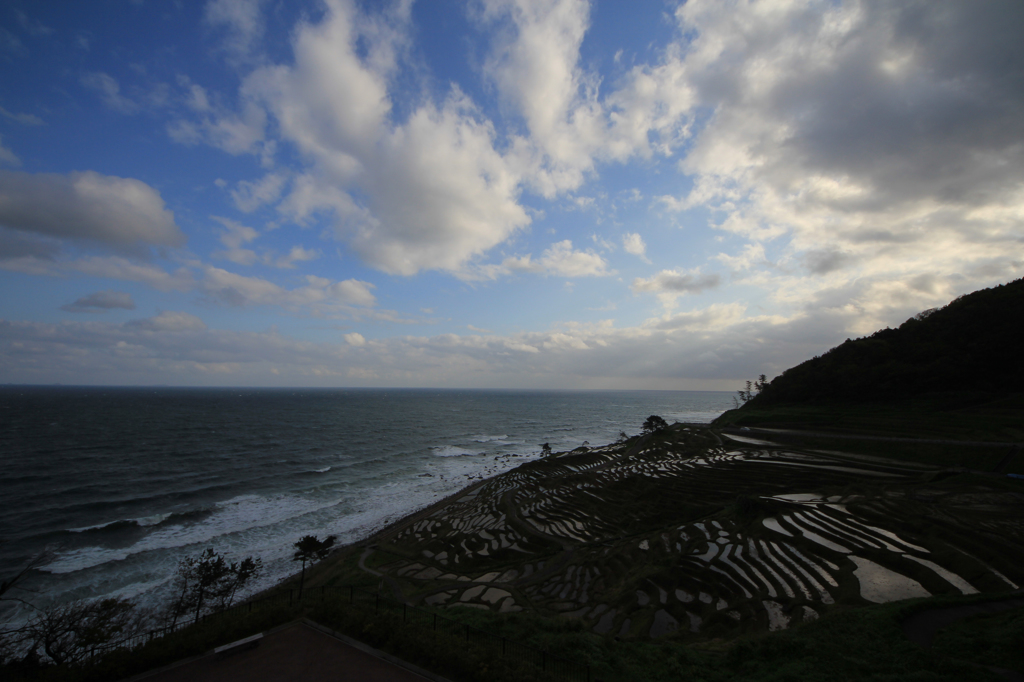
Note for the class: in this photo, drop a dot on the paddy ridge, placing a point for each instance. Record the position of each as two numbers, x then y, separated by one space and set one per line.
691 533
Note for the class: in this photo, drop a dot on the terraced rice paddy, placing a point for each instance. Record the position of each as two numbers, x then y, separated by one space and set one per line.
690 532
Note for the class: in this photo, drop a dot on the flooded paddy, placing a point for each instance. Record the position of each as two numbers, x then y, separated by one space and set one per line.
645 538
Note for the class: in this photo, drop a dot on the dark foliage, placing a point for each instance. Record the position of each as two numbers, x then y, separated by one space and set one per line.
971 346
654 424
208 582
753 389
69 632
310 549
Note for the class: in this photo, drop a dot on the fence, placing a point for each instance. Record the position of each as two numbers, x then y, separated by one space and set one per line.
496 646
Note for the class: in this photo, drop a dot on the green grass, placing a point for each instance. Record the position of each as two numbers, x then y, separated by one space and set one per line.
844 645
996 639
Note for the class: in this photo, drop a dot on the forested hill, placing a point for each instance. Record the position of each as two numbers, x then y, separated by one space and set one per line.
973 347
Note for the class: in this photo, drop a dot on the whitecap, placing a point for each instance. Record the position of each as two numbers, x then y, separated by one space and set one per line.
154 520
230 516
452 451
488 439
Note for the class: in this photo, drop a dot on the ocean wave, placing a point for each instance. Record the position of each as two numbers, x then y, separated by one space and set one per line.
142 521
453 451
236 515
489 439
320 471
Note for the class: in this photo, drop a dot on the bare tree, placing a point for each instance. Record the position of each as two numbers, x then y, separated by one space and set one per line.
70 632
13 639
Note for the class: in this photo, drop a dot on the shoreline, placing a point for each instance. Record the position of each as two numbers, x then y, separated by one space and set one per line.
336 552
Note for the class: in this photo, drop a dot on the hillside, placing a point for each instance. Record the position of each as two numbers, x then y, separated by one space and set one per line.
956 371
692 533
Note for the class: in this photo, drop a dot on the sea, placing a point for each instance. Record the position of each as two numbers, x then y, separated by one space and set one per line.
103 491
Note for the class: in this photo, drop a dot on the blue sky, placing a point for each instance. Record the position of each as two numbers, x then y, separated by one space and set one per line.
495 193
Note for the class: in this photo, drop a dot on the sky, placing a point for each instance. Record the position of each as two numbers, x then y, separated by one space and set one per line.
540 194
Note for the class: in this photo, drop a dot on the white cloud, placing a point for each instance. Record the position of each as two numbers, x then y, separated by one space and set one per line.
33 27
717 316
562 260
234 236
533 63
867 142
559 260
436 191
714 348
108 87
751 256
235 132
242 21
169 321
248 196
24 119
117 267
118 212
7 156
101 301
671 284
319 295
633 243
239 290
296 255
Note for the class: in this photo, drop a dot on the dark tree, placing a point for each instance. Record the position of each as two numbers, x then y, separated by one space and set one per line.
753 389
242 573
210 579
654 424
12 639
70 632
308 548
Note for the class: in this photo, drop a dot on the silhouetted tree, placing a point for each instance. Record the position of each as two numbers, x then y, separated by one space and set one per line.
69 632
12 639
210 579
754 389
310 549
654 424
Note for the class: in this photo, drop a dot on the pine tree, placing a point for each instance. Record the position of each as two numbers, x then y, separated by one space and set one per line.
310 549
